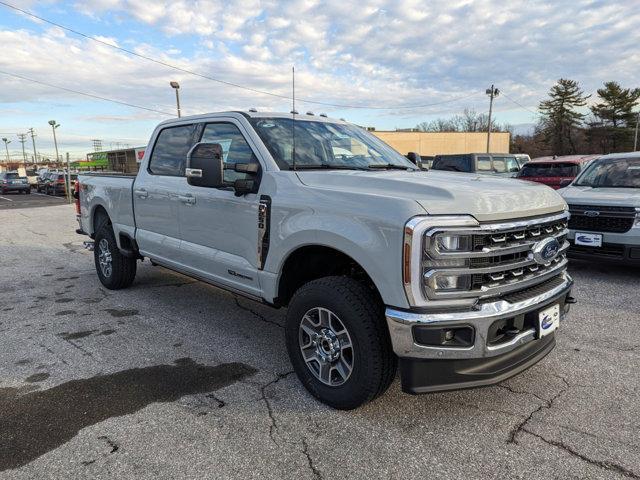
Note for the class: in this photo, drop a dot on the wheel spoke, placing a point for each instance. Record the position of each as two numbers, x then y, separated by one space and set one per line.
345 340
343 368
325 372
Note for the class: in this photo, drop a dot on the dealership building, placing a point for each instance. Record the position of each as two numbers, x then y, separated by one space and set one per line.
429 144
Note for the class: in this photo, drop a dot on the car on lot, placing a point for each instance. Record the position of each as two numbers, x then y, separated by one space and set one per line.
522 158
556 171
58 183
13 182
459 279
43 181
604 201
501 164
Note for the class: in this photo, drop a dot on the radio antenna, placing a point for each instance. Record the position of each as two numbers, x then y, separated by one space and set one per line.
293 116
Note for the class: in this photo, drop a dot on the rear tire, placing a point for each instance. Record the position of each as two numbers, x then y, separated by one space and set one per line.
356 318
115 271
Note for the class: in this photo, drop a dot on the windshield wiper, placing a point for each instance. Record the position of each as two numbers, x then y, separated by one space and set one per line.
388 166
326 166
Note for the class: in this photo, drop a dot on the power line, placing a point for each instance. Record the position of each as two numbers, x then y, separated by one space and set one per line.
91 95
224 82
520 105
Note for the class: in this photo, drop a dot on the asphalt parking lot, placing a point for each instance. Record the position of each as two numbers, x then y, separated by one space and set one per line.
10 201
173 378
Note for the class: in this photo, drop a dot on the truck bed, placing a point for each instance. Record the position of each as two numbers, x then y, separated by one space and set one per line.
111 191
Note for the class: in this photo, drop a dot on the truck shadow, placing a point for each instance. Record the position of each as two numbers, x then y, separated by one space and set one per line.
35 423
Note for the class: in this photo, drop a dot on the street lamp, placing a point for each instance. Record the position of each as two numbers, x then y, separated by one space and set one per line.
55 125
6 143
176 87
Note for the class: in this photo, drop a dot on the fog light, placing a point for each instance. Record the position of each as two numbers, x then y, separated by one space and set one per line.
444 336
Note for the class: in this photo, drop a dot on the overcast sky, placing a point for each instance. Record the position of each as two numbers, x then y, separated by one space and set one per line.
386 54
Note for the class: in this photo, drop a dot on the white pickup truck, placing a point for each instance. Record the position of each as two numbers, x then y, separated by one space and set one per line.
458 278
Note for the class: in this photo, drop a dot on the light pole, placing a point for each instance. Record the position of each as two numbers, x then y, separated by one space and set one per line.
6 147
492 92
176 87
54 126
22 138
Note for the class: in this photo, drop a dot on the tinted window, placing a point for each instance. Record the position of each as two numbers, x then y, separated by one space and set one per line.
452 163
235 148
12 175
549 170
612 172
169 154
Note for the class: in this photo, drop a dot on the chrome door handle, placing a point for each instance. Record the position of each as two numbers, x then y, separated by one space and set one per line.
188 199
141 193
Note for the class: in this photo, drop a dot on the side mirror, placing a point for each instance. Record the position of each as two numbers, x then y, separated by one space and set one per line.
414 158
205 167
565 183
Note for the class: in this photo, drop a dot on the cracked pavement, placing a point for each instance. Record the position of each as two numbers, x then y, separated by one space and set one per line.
173 378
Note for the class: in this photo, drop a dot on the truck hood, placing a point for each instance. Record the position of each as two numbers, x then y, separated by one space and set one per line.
487 198
626 197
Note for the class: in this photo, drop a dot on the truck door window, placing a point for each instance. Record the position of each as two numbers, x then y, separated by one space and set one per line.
235 148
169 155
453 163
484 164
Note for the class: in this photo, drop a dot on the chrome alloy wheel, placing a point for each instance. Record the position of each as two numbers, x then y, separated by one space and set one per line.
326 346
104 258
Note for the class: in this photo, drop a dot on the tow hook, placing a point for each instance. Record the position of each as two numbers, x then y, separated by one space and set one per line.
570 300
88 245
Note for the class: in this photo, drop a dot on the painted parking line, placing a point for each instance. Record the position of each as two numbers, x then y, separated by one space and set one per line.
7 199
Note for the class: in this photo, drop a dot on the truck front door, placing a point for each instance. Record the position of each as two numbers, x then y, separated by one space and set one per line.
219 230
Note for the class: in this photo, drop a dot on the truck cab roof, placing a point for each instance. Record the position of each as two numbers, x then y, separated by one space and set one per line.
253 114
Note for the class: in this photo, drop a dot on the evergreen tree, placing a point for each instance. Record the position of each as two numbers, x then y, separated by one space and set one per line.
561 120
615 119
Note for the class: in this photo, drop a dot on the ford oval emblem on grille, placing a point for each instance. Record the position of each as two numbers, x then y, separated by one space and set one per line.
546 250
591 213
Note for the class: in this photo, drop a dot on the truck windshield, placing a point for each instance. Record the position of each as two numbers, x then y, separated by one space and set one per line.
326 145
612 173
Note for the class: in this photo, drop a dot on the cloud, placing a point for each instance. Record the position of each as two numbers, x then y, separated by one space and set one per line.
378 52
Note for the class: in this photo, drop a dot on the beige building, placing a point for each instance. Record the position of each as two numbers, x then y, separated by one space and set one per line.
428 144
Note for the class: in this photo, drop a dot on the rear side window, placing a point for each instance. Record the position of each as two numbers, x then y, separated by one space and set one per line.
169 155
484 164
12 175
452 163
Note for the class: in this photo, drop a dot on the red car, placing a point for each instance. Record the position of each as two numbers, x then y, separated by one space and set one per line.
556 172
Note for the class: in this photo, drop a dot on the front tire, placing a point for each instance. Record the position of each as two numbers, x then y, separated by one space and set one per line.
338 342
115 271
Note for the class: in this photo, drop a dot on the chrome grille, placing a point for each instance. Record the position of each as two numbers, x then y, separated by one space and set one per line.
501 258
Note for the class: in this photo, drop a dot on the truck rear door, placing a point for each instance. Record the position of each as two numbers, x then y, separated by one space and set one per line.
155 194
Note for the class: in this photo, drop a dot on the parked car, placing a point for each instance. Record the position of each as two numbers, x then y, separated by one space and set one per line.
461 280
556 172
501 164
43 181
604 201
13 182
58 183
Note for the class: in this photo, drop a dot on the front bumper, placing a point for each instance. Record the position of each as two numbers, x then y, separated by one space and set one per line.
616 247
431 368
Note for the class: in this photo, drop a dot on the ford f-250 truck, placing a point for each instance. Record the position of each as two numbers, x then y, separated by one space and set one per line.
458 278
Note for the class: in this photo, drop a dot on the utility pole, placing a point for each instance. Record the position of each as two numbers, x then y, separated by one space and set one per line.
33 140
492 92
22 139
635 140
6 147
176 87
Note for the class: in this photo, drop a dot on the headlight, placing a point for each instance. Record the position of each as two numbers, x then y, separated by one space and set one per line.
453 243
